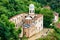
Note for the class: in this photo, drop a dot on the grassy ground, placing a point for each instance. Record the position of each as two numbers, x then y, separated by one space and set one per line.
24 38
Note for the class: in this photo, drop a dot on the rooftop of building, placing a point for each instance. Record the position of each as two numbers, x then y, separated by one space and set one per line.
33 15
28 25
30 19
58 25
18 15
27 18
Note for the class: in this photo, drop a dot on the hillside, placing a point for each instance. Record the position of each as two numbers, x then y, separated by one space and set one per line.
10 8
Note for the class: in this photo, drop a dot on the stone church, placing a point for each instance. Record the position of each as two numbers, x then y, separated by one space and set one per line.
30 22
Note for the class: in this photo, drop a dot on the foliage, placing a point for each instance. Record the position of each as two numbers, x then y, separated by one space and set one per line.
24 38
13 7
54 4
7 29
48 16
10 8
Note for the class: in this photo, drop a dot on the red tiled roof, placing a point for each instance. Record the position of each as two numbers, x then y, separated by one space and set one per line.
58 25
56 14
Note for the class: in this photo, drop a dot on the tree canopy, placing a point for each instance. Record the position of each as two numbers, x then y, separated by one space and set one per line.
7 29
47 16
54 4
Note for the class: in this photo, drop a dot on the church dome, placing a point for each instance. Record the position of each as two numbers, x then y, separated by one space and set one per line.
31 6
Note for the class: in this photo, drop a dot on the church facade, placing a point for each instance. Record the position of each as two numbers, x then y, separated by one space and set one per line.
30 23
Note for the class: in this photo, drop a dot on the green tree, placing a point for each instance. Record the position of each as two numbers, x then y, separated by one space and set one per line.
54 4
48 16
11 8
7 29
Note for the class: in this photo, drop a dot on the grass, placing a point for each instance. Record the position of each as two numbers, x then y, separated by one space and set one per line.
24 38
59 20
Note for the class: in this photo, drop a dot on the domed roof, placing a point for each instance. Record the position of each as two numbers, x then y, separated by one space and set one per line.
31 6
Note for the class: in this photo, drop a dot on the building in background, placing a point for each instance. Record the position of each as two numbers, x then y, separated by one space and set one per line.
30 23
56 17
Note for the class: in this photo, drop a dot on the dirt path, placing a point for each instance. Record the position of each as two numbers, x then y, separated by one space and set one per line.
44 32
